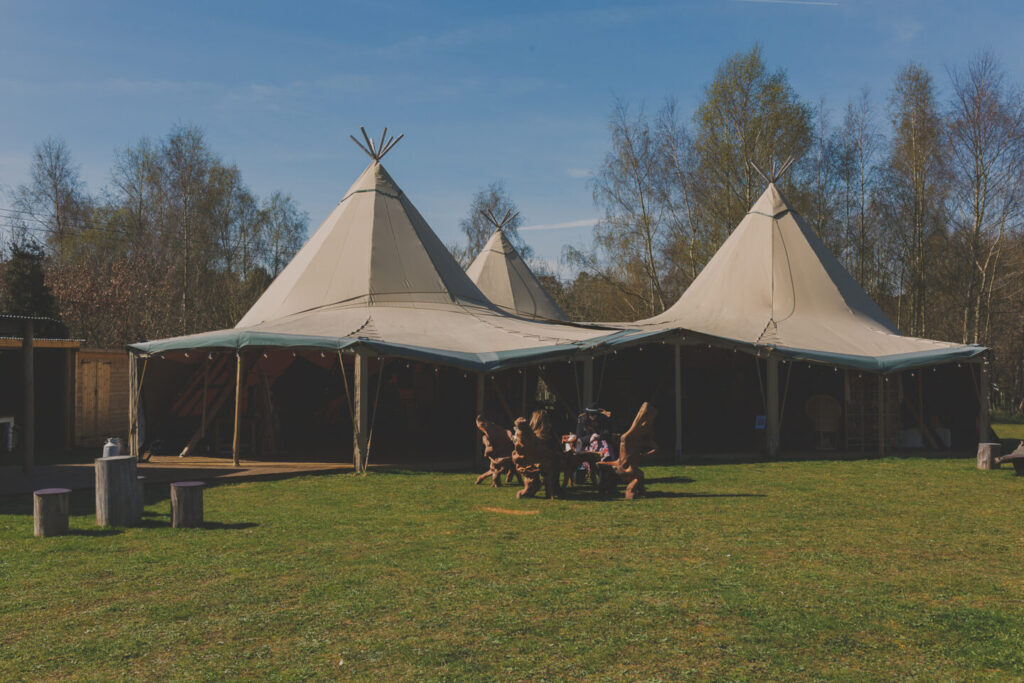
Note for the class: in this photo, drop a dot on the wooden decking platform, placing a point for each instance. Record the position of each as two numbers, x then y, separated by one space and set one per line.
160 470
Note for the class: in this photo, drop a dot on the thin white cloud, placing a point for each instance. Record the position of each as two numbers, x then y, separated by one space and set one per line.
585 223
818 3
578 172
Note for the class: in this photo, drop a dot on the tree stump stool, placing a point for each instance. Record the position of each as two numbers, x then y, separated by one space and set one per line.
50 508
987 454
116 490
186 504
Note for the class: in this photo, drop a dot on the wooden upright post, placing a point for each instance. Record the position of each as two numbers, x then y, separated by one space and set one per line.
29 419
983 408
238 408
677 354
522 403
588 382
478 444
362 410
772 405
70 359
206 383
132 417
881 415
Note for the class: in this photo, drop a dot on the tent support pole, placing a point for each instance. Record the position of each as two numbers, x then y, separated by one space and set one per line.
206 383
522 403
28 367
478 445
588 382
772 404
362 398
881 415
677 355
983 407
132 417
238 408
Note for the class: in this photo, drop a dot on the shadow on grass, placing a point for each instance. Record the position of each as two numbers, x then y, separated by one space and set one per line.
229 525
581 495
668 480
684 494
706 459
100 531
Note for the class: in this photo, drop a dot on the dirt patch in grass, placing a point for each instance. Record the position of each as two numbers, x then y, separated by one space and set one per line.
506 511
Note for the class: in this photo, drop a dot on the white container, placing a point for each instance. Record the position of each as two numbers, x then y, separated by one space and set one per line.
112 448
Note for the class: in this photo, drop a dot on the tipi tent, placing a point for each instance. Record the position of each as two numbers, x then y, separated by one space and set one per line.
774 290
375 281
774 285
505 279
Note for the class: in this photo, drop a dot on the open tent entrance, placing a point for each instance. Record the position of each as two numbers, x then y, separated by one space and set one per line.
294 406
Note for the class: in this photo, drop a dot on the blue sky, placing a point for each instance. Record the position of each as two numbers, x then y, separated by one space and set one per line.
517 91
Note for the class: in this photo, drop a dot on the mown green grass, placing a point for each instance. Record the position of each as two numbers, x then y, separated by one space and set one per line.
855 569
1009 431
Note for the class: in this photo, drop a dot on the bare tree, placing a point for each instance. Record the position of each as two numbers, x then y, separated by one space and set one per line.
54 201
493 199
912 192
859 143
986 130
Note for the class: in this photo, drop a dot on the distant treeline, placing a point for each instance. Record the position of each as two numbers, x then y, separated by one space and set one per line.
920 194
174 244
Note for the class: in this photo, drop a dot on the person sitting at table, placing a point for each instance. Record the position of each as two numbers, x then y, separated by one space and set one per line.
592 420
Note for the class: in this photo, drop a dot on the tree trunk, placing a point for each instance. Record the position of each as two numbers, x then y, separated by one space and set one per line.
50 509
115 490
186 504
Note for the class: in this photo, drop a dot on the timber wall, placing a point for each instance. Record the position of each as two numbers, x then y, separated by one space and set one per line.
101 396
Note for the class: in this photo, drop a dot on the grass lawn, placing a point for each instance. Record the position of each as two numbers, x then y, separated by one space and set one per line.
853 569
1009 431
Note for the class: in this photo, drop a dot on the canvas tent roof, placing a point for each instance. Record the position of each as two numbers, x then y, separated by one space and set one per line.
375 275
774 284
504 278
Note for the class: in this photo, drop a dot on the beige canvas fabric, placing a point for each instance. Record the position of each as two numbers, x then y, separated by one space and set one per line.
774 283
504 278
374 248
375 270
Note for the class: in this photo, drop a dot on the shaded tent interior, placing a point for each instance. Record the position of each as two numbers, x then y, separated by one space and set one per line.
294 405
54 397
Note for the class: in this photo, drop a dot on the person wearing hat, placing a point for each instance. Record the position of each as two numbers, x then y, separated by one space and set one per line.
593 435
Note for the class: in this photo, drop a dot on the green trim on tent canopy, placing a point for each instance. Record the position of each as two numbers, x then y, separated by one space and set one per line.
239 340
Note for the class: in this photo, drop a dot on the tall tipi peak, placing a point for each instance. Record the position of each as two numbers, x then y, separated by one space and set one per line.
507 281
374 249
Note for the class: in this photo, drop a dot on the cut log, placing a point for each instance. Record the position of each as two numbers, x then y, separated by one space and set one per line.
51 508
115 490
186 504
987 454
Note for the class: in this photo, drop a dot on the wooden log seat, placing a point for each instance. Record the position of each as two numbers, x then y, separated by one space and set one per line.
498 451
186 504
51 508
116 487
636 444
988 454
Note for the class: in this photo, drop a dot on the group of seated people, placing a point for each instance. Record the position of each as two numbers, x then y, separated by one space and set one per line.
592 438
531 452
